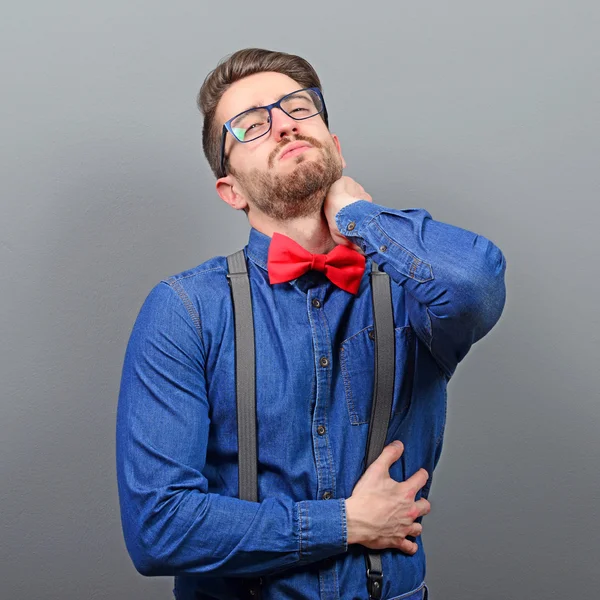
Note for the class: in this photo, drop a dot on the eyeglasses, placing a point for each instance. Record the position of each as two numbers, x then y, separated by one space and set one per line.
256 122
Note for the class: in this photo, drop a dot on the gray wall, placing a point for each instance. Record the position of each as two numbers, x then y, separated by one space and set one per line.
488 118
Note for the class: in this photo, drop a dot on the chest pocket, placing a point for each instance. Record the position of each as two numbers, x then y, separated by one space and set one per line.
357 361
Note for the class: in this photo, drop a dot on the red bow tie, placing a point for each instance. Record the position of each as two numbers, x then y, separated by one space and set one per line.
287 260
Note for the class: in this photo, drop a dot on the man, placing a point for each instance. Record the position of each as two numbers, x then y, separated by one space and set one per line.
314 235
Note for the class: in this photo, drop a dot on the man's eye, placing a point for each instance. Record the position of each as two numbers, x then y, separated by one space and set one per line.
295 109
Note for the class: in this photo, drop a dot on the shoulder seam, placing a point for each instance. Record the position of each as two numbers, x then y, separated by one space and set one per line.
175 278
185 299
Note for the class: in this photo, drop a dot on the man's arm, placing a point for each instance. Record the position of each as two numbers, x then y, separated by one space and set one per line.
171 524
454 278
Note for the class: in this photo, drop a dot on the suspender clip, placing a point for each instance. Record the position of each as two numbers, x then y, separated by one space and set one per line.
374 584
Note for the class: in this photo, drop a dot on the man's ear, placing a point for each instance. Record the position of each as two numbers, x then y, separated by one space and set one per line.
336 141
227 189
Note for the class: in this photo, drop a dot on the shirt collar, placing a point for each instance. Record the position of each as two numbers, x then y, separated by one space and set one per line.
258 247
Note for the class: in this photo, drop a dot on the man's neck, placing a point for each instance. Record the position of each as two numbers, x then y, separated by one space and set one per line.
312 233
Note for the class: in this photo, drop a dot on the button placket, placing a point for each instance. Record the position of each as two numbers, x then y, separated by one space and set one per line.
325 469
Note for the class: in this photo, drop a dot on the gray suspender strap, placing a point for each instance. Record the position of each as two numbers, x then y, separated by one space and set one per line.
383 392
245 376
246 389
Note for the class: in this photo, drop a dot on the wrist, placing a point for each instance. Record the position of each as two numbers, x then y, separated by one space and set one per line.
352 523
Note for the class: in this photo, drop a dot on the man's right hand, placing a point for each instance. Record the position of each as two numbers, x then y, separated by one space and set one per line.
381 512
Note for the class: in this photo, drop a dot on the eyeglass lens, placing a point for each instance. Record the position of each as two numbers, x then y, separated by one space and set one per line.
255 122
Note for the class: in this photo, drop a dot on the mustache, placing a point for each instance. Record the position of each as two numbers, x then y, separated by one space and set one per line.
288 140
298 138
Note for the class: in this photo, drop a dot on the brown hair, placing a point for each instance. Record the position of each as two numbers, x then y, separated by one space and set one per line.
238 65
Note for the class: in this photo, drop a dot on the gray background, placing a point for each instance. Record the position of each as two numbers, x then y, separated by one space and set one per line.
486 114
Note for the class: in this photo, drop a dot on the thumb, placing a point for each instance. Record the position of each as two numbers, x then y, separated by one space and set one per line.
389 455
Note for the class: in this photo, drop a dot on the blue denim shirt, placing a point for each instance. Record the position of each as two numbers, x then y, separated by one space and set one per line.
176 429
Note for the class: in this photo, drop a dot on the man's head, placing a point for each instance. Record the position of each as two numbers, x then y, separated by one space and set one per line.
257 175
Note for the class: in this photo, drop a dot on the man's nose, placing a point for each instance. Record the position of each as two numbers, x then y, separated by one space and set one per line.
282 125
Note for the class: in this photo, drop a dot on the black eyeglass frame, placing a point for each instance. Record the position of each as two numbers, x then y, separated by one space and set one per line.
227 126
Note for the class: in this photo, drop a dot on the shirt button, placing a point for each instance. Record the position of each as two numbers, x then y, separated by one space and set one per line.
326 495
320 430
316 303
383 248
324 361
351 226
372 334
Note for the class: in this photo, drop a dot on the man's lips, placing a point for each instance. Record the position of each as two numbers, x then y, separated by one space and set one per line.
294 146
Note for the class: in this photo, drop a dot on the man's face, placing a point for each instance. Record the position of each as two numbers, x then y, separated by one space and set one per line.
281 187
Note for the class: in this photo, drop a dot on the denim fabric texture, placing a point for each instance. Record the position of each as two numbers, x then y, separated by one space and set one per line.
176 426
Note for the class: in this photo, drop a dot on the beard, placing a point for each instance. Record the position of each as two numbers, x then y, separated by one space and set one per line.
299 193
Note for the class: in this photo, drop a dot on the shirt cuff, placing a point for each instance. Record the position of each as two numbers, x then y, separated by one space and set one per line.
352 219
387 236
323 528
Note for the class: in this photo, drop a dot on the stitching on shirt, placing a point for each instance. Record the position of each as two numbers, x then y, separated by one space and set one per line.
367 223
354 419
355 334
300 509
330 395
344 523
185 299
409 594
322 591
416 260
326 327
342 212
180 277
314 335
330 454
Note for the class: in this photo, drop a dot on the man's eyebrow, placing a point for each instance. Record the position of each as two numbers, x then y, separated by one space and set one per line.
261 105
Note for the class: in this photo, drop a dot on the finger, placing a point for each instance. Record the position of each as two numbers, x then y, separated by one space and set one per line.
408 546
424 506
416 530
417 481
389 455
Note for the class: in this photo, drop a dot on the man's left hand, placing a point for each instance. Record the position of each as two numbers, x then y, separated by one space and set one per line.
343 192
